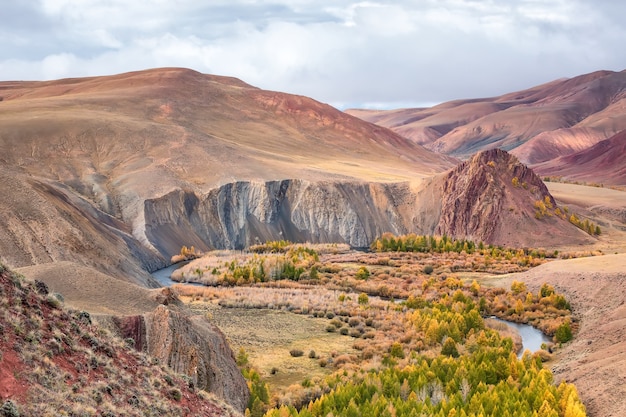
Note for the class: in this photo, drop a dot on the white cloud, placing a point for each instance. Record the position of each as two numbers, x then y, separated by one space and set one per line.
336 51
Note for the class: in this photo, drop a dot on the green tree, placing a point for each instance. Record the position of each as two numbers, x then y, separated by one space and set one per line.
563 333
449 348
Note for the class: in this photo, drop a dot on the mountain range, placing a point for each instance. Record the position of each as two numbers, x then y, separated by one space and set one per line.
537 125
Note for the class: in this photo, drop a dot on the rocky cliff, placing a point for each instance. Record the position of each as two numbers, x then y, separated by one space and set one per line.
191 346
74 366
155 320
239 214
490 197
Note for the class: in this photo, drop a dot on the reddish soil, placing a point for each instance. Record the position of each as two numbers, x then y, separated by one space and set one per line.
11 365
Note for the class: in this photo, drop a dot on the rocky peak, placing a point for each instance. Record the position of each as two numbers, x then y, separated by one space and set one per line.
491 197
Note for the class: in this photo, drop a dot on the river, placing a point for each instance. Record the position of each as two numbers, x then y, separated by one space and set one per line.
164 275
532 338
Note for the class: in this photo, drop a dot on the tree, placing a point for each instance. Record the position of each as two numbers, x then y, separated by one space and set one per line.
563 333
518 287
449 348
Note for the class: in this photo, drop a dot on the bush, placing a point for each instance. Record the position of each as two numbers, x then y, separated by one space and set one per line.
428 269
312 354
296 353
9 409
563 333
363 273
175 394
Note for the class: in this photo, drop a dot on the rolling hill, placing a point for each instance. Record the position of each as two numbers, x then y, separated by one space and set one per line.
536 125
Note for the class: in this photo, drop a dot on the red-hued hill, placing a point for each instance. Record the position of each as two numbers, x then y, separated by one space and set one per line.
605 163
538 124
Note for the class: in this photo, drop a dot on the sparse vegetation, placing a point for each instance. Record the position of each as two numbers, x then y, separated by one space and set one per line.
73 367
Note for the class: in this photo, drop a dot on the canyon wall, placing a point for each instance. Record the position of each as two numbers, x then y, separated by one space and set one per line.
238 214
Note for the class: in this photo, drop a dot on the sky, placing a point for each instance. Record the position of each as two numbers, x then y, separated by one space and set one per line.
368 54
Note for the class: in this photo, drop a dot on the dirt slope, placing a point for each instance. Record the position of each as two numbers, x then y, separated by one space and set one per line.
595 361
155 320
57 362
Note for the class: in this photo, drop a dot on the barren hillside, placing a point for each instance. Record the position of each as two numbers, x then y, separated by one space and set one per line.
58 362
538 124
91 166
603 163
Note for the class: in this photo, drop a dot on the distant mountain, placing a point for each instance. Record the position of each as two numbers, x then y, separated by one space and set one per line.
538 124
603 163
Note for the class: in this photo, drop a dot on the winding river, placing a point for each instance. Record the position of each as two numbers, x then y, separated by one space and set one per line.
164 275
532 338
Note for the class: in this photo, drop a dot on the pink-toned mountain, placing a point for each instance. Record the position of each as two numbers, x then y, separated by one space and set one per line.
603 163
538 124
492 197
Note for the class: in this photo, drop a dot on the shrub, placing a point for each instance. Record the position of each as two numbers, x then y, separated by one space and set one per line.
296 353
312 354
563 333
363 273
9 409
175 394
428 269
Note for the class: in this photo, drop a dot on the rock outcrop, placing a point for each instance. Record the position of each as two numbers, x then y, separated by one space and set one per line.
492 198
189 345
236 215
76 367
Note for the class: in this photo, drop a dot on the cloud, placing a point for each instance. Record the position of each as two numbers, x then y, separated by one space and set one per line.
342 52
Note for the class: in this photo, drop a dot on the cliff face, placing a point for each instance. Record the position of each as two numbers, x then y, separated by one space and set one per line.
63 374
191 346
238 214
490 197
195 347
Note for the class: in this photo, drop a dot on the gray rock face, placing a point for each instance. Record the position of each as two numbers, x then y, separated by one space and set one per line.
189 345
238 214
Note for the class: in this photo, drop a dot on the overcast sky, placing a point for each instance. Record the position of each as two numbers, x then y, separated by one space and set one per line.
383 54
